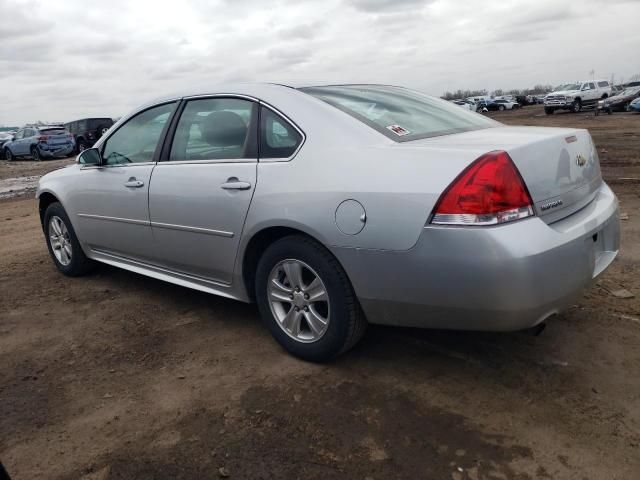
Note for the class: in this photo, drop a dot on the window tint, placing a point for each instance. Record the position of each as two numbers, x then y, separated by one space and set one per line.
82 125
214 129
400 114
100 122
137 139
603 84
278 138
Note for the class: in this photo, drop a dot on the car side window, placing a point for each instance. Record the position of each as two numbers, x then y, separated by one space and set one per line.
215 129
19 134
136 140
592 86
278 138
82 125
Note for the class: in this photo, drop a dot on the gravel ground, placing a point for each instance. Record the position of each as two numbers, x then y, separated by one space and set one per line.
118 376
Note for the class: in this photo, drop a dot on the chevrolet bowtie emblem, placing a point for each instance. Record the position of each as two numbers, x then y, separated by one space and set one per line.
581 161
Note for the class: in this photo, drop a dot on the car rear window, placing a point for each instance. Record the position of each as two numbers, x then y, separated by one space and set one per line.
399 113
52 131
100 122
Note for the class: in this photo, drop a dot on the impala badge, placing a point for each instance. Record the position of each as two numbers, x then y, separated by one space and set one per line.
581 161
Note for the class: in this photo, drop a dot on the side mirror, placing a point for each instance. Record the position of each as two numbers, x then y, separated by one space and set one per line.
90 156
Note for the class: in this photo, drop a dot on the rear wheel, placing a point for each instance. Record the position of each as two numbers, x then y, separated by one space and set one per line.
501 108
82 146
548 111
35 154
62 243
306 300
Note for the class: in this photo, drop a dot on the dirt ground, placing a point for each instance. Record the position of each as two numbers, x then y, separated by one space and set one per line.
118 376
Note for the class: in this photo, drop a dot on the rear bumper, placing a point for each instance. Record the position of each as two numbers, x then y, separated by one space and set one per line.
503 278
55 151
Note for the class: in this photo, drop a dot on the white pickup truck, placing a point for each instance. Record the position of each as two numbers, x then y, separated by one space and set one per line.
574 96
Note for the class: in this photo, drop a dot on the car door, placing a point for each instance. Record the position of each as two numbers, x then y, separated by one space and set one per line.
15 143
202 187
111 199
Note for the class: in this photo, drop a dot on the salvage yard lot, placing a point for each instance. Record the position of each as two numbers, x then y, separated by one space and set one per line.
118 376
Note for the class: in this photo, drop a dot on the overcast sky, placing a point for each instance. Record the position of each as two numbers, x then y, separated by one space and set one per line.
65 59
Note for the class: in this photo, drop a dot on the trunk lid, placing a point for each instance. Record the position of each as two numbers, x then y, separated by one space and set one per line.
560 167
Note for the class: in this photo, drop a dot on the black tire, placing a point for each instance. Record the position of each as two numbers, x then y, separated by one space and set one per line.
8 155
79 264
548 111
347 323
501 108
81 145
101 130
576 106
35 154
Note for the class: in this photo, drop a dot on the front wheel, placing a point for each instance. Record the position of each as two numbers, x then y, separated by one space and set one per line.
306 300
548 111
82 146
8 155
501 108
576 106
62 243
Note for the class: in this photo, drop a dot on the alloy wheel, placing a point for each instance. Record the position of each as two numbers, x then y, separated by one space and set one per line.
299 300
60 240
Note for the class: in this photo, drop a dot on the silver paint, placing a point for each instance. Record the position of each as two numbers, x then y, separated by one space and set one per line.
404 270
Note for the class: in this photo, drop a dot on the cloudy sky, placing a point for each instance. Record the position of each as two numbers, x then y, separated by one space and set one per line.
67 59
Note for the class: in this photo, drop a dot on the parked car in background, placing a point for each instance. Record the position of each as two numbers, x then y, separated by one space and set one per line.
4 138
577 95
465 104
635 105
632 84
40 142
271 194
501 104
619 102
88 131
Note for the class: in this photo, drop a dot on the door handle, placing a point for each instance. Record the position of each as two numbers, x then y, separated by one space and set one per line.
234 184
133 183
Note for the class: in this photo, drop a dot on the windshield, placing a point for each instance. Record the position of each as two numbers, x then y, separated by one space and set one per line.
629 91
399 113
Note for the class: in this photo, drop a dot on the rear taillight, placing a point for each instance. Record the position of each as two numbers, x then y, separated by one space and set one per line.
490 191
43 138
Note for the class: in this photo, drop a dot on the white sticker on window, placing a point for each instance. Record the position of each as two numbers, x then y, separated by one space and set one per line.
398 130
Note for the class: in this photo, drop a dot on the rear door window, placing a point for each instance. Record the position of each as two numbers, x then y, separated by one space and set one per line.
215 129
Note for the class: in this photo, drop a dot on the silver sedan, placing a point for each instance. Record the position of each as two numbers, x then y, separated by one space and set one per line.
335 206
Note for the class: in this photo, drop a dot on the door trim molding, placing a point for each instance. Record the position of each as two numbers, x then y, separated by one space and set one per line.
206 231
146 223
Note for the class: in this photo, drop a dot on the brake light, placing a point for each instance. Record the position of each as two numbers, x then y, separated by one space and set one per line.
490 191
43 138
